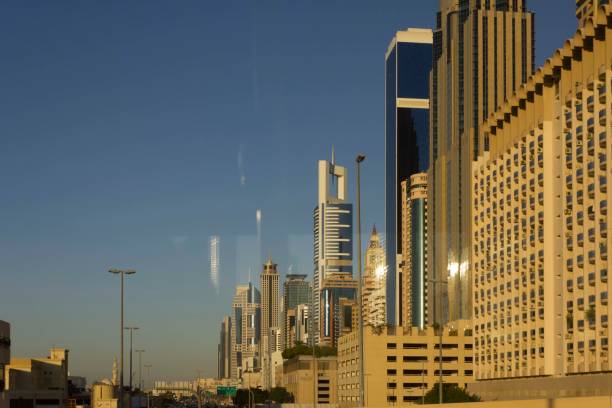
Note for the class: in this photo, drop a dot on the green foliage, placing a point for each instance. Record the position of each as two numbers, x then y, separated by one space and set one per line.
281 395
260 396
451 394
301 349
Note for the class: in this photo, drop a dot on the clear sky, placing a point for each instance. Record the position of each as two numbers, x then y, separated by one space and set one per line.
131 132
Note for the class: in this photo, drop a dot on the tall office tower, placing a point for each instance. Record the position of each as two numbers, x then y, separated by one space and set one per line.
333 246
414 251
588 8
541 220
483 51
225 345
245 332
407 64
297 291
374 283
270 315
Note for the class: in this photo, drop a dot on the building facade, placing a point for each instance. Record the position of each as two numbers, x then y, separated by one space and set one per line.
407 65
586 9
38 381
5 349
541 222
225 347
337 290
245 332
414 251
297 291
333 248
270 317
483 51
298 379
402 364
374 282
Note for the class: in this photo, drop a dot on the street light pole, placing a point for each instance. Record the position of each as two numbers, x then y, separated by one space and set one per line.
148 367
360 158
440 331
121 272
140 386
131 329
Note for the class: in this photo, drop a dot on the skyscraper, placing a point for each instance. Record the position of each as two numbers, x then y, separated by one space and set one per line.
245 332
414 251
297 291
225 346
374 284
483 51
333 248
588 8
270 316
408 62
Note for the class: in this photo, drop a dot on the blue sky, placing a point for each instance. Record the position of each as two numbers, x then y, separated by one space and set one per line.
133 131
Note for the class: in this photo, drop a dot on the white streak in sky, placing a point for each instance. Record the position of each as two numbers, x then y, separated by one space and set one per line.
215 261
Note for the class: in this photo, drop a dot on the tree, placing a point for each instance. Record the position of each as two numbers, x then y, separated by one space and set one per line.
280 395
451 393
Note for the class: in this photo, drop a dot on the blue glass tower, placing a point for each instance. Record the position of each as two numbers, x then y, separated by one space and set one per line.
408 64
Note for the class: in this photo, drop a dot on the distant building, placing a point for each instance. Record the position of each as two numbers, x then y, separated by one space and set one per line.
302 323
333 248
179 388
349 315
374 282
103 395
407 65
5 349
298 379
336 290
270 318
225 347
414 252
245 332
38 381
402 364
297 291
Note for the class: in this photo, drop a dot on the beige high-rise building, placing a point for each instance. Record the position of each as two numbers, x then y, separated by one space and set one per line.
270 317
5 349
401 364
245 334
586 9
374 282
483 51
414 252
541 222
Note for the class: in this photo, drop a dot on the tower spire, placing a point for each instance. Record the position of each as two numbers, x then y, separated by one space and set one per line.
333 158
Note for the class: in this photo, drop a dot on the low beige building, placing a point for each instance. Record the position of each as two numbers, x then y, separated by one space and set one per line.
38 381
298 379
402 364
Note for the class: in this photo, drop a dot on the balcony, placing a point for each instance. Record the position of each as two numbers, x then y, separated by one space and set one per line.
603 275
602 94
591 169
602 117
590 103
604 298
602 140
590 125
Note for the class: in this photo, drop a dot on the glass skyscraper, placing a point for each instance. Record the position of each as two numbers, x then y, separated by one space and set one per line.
408 63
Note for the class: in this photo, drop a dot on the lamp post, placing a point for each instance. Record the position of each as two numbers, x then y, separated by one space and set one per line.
440 331
122 273
131 330
360 158
140 386
148 367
